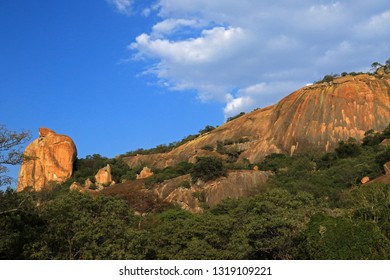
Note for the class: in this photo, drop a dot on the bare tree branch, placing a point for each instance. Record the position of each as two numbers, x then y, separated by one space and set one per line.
10 153
14 209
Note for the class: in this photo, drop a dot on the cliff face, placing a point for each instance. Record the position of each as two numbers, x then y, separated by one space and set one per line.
49 159
235 184
313 117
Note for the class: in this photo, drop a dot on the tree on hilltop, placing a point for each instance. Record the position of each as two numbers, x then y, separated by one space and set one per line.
375 66
387 65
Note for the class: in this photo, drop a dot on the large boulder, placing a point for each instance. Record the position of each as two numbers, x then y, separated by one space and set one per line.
146 172
48 160
103 176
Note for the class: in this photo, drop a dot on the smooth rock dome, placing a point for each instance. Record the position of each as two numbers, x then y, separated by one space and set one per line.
48 160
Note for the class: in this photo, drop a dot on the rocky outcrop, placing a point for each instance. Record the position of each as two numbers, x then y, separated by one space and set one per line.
88 183
236 184
387 168
365 179
315 117
385 142
189 196
48 160
104 177
146 172
384 178
76 187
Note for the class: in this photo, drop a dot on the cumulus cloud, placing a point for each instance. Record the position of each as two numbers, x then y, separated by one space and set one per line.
250 53
170 26
203 49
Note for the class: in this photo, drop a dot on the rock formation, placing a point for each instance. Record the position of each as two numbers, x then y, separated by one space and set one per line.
145 173
314 117
238 183
387 168
76 187
88 183
385 142
365 179
103 176
49 159
384 178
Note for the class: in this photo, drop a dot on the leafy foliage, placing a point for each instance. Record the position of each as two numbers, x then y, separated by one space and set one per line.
348 149
208 168
235 117
208 128
167 148
86 168
160 175
339 238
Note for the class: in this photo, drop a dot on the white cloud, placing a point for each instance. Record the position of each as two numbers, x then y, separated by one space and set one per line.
170 26
204 49
123 6
249 53
238 105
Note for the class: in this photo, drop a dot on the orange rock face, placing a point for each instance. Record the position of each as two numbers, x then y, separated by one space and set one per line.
146 172
49 159
315 117
365 180
103 176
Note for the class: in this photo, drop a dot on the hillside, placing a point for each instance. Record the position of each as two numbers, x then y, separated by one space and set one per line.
314 117
331 205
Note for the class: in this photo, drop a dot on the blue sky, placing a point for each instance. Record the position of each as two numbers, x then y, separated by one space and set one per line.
116 75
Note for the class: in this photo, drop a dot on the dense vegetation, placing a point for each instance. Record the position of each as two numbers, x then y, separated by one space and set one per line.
314 207
86 168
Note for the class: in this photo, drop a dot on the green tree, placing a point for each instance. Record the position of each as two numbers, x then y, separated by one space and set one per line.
20 223
181 235
235 117
274 162
79 226
375 66
339 238
208 168
207 128
371 202
270 224
350 148
387 65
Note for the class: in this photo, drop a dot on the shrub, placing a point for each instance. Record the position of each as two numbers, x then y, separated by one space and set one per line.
208 168
342 239
207 128
185 185
348 149
274 162
235 117
160 175
208 148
